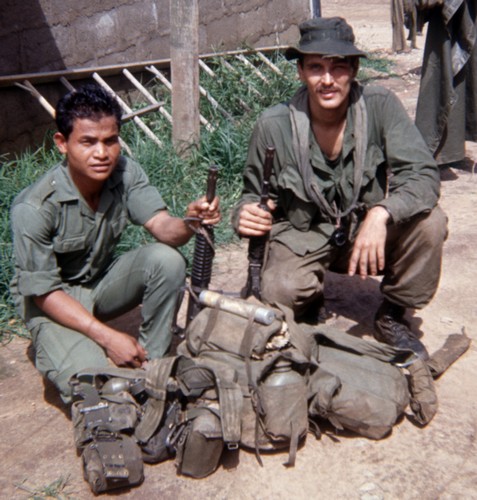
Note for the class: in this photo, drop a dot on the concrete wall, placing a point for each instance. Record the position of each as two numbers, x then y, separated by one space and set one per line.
50 35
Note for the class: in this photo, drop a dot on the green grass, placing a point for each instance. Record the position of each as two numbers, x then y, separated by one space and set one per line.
243 95
58 490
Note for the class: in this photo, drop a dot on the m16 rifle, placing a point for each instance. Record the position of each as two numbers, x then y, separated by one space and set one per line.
203 254
257 244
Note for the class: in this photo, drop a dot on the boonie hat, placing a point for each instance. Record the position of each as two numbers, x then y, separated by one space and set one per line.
330 37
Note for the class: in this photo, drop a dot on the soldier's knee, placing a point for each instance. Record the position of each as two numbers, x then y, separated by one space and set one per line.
279 292
168 262
434 227
295 294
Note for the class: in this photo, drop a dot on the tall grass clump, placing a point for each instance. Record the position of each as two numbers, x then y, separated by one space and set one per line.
14 176
241 93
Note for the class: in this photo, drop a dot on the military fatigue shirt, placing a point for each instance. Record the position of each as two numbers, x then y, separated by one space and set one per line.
393 142
60 241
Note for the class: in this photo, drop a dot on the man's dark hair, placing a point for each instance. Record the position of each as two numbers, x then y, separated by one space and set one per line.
90 101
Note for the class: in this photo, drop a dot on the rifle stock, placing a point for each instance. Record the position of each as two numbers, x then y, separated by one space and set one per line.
203 254
257 244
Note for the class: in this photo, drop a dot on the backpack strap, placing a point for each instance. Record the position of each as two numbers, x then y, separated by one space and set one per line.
422 374
294 439
157 375
197 377
337 338
231 402
211 321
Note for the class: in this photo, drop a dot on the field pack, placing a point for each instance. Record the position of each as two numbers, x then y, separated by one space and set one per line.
236 382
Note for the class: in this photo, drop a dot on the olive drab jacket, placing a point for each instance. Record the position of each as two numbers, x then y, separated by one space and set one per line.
446 111
392 142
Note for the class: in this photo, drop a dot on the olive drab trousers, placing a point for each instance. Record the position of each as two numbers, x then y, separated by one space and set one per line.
151 276
411 274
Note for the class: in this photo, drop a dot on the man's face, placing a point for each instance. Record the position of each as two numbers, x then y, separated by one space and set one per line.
328 80
92 150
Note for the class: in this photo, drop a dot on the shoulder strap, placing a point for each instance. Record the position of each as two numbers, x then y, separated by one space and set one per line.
328 335
157 374
300 124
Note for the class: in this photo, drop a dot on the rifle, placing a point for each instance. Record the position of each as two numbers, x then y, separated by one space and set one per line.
257 244
203 254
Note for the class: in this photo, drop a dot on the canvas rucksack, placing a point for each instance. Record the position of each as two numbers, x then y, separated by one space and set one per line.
253 377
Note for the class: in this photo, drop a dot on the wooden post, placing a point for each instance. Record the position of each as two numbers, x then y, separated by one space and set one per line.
184 44
316 8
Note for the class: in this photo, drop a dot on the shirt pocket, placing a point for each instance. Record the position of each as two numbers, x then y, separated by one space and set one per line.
294 202
373 185
69 245
117 226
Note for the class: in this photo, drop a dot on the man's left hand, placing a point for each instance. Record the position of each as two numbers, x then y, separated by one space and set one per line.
368 255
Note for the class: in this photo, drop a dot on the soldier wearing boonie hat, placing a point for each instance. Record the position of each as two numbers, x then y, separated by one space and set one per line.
332 204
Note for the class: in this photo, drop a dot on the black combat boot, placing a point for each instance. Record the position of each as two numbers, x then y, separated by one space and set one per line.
391 329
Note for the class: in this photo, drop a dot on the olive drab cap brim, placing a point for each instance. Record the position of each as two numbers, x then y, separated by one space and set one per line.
330 37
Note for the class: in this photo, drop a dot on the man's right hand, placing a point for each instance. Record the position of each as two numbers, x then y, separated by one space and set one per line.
254 221
124 350
120 347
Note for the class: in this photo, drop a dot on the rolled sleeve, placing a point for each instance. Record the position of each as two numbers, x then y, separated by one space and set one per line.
38 283
143 199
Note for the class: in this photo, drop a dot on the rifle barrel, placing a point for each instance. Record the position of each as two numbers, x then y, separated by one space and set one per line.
201 271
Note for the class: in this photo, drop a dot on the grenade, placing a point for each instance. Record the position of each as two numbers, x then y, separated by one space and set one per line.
115 385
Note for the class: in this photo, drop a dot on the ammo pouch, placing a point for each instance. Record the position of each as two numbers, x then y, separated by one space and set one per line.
112 461
104 415
200 445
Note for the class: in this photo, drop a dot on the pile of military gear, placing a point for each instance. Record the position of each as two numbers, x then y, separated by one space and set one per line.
245 376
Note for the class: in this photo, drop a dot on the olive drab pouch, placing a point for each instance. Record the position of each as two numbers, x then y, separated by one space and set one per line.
112 461
162 444
200 446
105 411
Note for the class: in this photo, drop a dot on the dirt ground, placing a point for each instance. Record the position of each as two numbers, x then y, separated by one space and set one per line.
435 462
